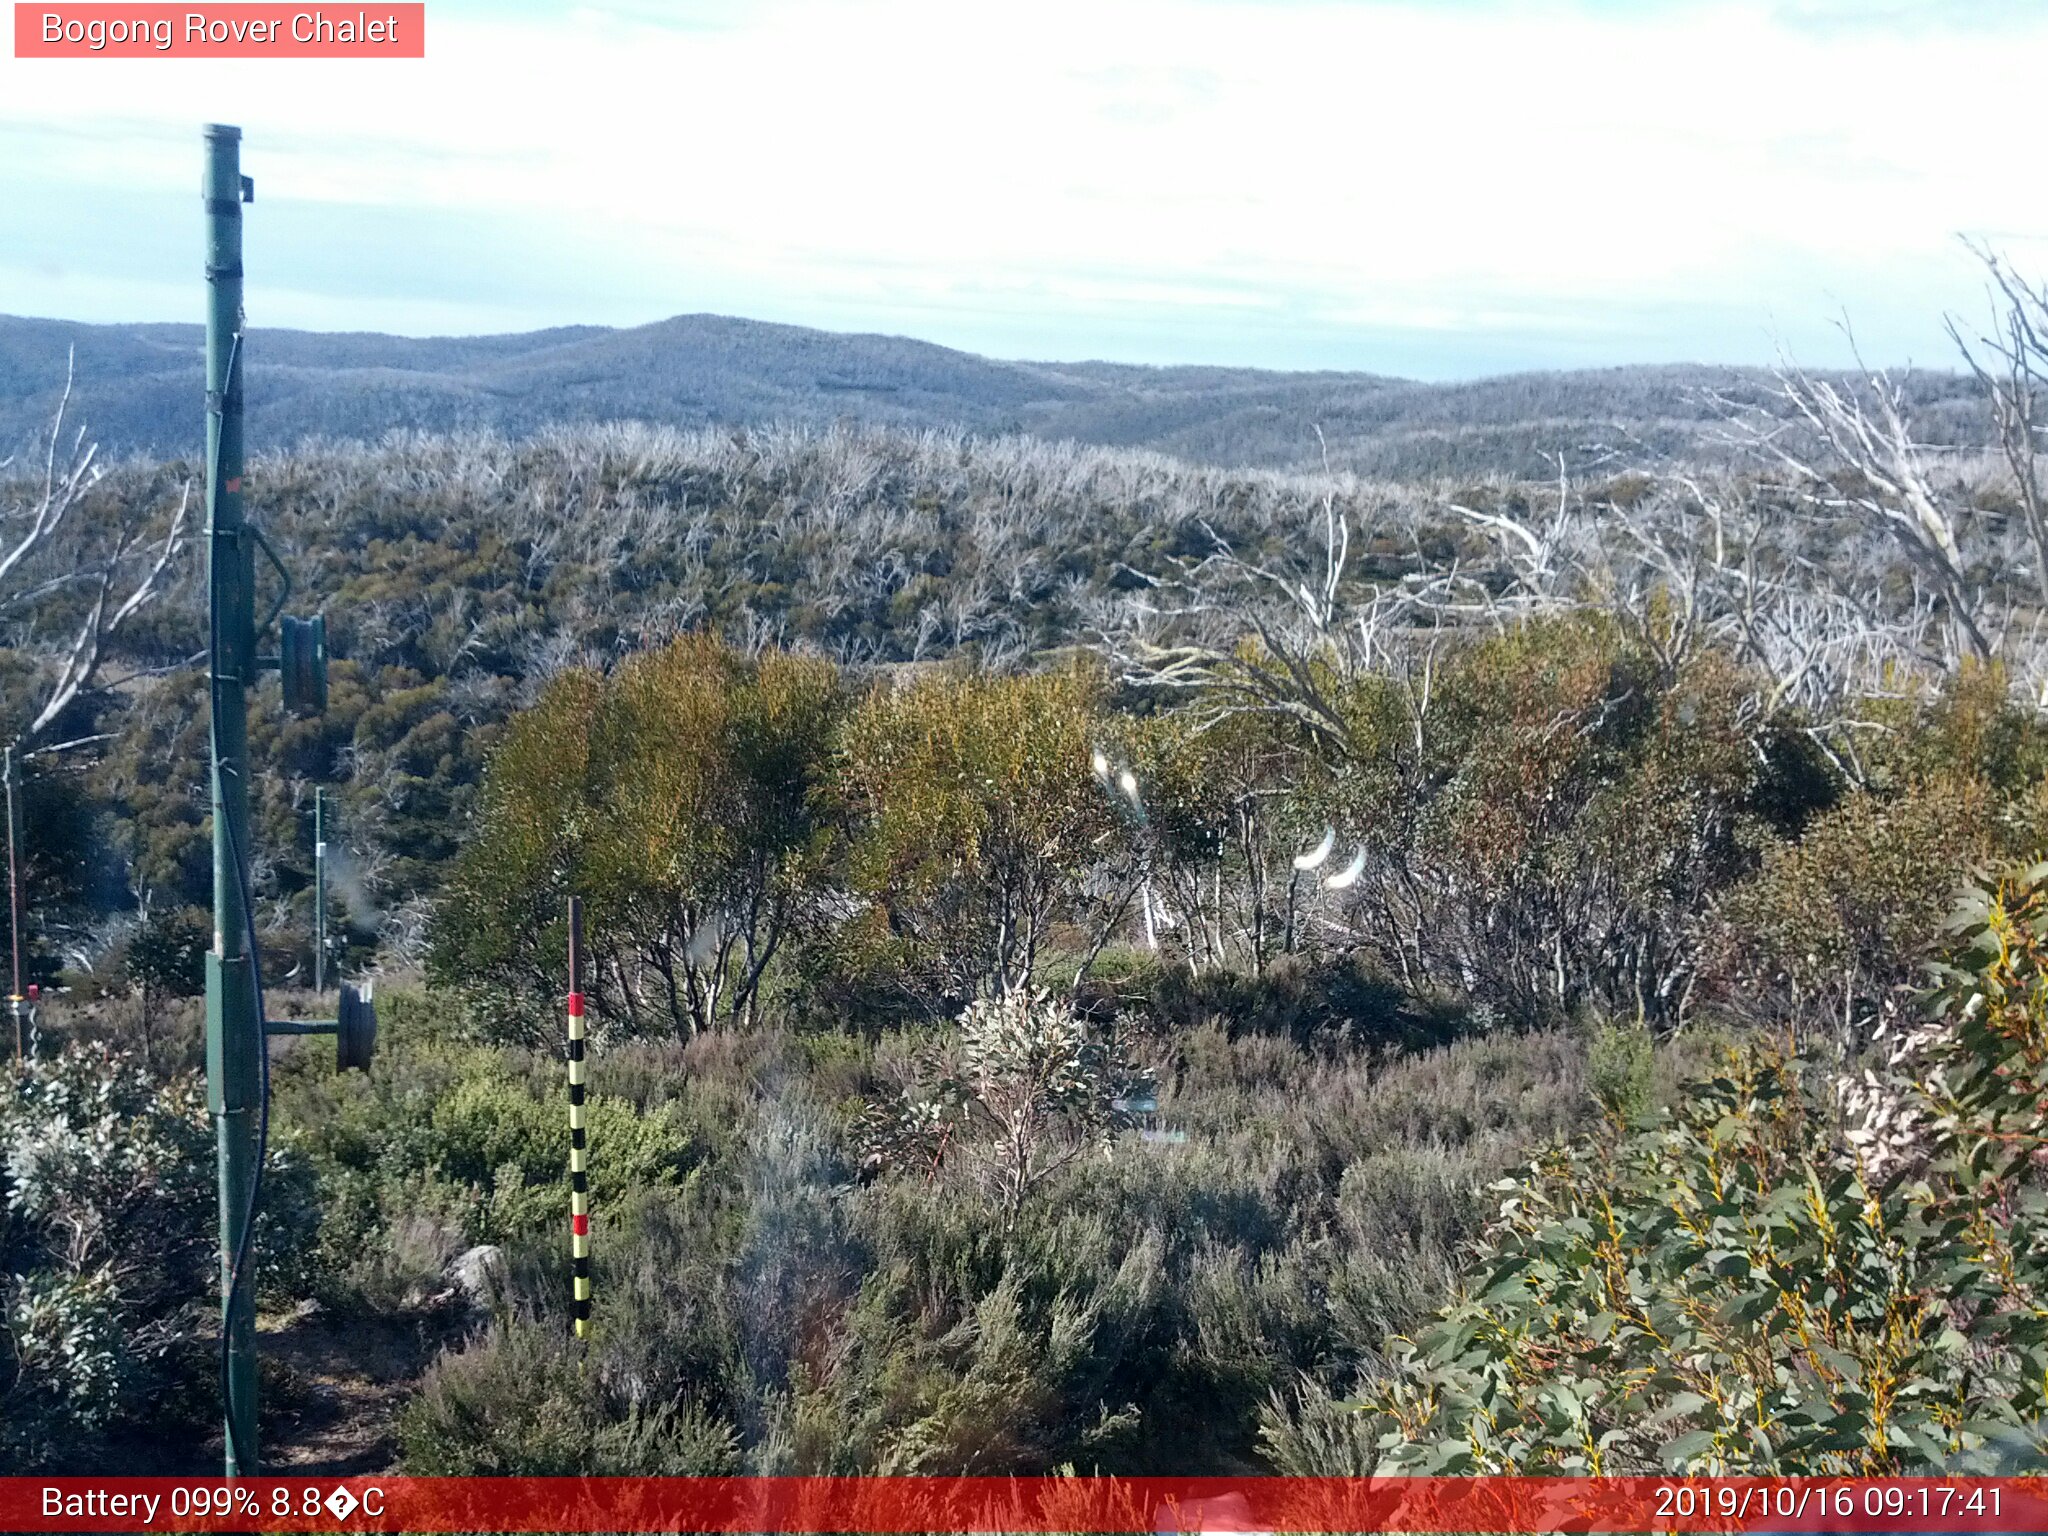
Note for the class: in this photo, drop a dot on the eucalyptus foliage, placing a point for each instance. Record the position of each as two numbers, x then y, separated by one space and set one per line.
1746 1283
972 818
675 796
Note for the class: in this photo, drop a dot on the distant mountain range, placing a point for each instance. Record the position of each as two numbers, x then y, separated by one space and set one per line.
139 391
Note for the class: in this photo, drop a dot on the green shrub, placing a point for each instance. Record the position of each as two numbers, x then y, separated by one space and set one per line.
676 797
107 1211
1828 935
1332 1003
1744 1284
524 1402
73 1371
1971 728
1621 1070
165 958
1134 1314
1832 927
443 1144
1035 1087
1546 836
972 817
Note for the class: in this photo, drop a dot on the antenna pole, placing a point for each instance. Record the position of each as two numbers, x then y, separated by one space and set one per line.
14 998
319 889
234 1033
237 1066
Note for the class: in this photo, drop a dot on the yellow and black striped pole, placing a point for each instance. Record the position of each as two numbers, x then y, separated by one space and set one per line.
579 1175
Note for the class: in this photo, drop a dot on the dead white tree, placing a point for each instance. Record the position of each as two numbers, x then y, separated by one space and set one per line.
1538 554
2011 361
1850 451
1282 636
65 570
1205 615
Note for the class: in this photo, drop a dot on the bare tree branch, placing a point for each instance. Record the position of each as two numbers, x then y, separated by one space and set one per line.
53 549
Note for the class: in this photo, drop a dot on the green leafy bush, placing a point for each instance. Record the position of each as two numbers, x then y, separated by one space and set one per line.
972 816
1832 927
1542 826
1620 1067
163 959
1744 1284
109 1226
524 1403
1828 935
445 1144
73 1369
676 798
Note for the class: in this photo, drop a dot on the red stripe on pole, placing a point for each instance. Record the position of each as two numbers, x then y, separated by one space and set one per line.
810 1506
580 1225
575 1005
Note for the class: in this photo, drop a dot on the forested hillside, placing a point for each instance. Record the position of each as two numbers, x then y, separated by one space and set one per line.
137 384
1077 940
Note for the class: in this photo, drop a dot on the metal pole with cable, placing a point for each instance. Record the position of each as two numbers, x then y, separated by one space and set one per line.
15 1002
319 889
234 1028
237 1057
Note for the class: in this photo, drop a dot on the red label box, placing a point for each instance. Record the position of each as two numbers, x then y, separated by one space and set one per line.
377 30
1142 1506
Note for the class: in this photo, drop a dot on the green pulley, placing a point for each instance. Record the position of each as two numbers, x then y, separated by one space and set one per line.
302 664
355 1032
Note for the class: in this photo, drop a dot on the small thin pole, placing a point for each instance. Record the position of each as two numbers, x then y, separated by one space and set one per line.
579 1174
14 998
319 888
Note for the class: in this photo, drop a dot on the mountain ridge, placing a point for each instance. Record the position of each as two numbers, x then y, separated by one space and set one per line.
139 384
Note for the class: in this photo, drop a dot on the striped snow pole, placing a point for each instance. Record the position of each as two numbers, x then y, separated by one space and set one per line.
579 1174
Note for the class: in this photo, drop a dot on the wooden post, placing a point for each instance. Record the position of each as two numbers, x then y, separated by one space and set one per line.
579 1176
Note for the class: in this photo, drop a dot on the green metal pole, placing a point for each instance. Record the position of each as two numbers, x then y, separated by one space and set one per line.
319 889
9 775
234 1033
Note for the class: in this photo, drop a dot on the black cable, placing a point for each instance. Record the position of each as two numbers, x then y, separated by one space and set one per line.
237 1264
237 1272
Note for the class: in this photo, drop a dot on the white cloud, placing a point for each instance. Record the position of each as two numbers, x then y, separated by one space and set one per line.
1463 166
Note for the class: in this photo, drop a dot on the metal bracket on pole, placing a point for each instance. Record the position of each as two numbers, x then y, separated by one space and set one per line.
301 659
302 664
355 1031
283 575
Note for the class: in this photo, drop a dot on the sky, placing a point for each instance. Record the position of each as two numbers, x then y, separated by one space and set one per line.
1439 190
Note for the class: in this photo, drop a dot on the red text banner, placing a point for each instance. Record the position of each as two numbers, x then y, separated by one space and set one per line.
894 1506
231 31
